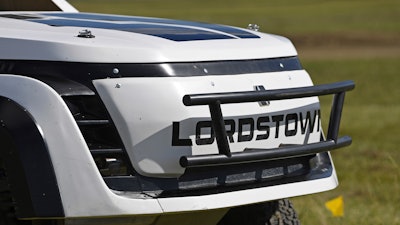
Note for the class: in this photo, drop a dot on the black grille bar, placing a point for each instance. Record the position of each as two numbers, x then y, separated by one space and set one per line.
214 101
92 122
100 134
112 151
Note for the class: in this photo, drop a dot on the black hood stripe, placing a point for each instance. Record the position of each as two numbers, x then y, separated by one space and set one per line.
240 33
175 30
173 33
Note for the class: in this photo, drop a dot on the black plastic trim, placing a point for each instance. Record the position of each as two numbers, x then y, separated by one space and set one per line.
65 87
72 78
28 164
214 101
98 130
108 151
93 122
226 178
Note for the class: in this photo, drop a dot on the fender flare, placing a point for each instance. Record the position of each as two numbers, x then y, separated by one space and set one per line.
83 190
28 164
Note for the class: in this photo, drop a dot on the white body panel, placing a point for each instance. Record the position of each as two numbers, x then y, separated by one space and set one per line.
249 196
83 191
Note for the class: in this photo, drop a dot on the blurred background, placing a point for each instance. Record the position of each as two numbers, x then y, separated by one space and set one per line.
336 40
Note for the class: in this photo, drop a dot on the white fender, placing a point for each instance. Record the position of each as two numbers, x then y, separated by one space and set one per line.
82 189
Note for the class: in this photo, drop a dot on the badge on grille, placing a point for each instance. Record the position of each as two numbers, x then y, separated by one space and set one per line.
261 88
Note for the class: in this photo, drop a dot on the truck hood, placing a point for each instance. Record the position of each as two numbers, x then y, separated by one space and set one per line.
87 37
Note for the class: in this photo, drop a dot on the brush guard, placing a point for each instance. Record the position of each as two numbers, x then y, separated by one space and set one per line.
225 156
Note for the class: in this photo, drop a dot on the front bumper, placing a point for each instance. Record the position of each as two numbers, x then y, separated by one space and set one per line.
219 181
85 194
225 156
253 168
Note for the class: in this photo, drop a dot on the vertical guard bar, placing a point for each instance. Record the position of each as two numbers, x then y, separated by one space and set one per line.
335 116
219 128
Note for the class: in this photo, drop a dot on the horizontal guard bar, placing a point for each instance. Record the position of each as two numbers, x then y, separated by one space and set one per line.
255 155
265 95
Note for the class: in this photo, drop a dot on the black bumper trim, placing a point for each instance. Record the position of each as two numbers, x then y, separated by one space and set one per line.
214 101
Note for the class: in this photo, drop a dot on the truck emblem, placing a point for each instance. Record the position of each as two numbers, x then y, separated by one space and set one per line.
261 88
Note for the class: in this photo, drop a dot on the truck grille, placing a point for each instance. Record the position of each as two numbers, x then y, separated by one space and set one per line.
100 135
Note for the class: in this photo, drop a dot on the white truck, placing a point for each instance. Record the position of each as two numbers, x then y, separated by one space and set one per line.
109 119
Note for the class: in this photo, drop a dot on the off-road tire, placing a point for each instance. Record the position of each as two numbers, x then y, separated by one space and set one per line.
280 212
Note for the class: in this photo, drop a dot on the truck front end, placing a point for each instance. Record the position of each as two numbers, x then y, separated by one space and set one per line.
148 121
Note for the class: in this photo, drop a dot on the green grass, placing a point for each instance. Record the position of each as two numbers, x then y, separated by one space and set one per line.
368 170
363 32
285 16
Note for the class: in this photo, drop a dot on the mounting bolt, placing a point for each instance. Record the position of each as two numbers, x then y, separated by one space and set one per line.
85 34
253 27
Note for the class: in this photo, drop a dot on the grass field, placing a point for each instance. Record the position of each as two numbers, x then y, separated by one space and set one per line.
336 40
369 170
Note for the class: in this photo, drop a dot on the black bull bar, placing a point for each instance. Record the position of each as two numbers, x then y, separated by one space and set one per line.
225 156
